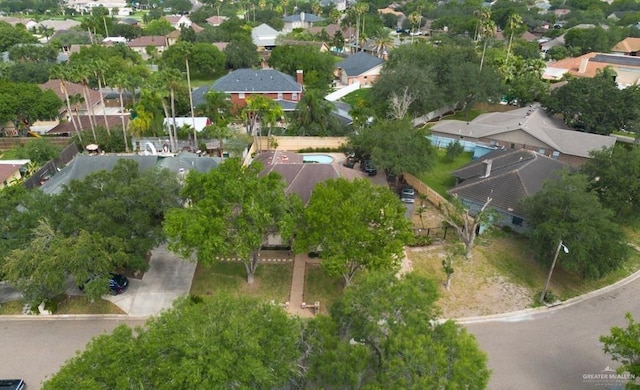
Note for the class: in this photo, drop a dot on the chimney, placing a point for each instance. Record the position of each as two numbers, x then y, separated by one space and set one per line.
487 167
300 76
583 65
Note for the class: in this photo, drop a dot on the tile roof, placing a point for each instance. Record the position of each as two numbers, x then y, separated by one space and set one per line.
150 40
332 29
257 81
627 45
216 20
59 25
532 120
359 63
514 175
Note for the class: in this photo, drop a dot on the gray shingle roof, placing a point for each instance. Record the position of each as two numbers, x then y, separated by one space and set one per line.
264 35
359 63
302 17
532 120
257 81
616 59
514 175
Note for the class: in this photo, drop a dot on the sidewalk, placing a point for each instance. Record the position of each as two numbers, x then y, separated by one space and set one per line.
296 295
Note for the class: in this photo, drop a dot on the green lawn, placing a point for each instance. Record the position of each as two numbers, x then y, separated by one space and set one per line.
321 287
357 95
8 155
439 178
272 281
81 305
195 83
465 115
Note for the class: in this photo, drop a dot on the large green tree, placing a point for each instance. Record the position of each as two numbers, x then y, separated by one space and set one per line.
39 150
395 146
314 116
623 344
241 53
386 336
222 343
614 174
565 209
356 225
24 104
206 61
316 66
232 210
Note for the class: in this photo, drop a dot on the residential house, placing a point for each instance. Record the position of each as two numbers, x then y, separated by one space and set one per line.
629 46
617 15
301 20
529 128
301 178
340 5
84 165
86 6
77 97
198 122
140 44
215 20
59 25
29 24
66 129
264 37
507 177
242 83
178 21
129 21
627 68
11 171
361 67
332 29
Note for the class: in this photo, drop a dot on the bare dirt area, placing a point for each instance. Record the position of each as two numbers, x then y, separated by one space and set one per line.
477 287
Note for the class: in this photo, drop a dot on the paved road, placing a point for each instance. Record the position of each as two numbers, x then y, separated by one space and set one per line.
36 348
559 348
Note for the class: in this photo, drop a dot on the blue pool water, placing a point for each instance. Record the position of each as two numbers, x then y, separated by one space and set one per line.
317 158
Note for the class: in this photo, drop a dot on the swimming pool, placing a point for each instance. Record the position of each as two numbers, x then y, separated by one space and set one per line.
317 158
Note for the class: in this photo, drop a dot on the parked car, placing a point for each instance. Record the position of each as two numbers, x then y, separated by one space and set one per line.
350 162
407 194
117 284
368 167
12 384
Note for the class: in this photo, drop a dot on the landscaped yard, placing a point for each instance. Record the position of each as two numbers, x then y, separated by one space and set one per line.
321 287
439 178
272 281
357 95
9 155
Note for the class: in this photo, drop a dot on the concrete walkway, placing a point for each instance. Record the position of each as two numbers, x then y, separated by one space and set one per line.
296 295
168 278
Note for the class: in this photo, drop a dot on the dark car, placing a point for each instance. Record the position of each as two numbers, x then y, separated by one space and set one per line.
368 167
350 162
117 283
12 384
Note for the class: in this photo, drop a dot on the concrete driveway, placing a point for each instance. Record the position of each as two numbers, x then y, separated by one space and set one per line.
168 278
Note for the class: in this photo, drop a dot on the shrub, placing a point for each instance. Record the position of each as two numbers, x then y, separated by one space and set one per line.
454 150
420 240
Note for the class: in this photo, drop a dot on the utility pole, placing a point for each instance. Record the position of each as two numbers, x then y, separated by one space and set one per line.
553 265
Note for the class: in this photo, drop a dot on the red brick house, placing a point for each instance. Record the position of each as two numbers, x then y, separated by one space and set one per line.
242 83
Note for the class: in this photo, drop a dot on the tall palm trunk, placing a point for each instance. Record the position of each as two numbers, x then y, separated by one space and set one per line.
86 103
104 112
193 118
171 123
70 110
124 127
173 119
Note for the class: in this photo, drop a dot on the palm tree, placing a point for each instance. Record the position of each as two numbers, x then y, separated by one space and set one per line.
383 44
99 67
187 48
156 90
78 73
313 112
487 30
415 18
216 107
360 8
119 80
260 109
59 72
513 23
172 78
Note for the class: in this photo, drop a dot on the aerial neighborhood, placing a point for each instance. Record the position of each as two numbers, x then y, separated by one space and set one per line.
319 194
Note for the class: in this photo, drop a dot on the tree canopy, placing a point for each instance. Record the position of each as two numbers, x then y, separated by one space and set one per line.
224 342
356 225
24 104
623 344
232 211
396 146
205 60
317 66
565 209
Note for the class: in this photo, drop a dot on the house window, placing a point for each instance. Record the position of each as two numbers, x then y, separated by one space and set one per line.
517 221
241 95
542 151
294 96
279 95
513 146
555 154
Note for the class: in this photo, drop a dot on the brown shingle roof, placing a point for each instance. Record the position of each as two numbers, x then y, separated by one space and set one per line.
67 127
72 89
150 40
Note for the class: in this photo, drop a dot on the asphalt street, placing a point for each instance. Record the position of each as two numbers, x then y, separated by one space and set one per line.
557 348
35 348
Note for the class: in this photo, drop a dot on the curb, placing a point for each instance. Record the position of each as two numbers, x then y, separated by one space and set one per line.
526 314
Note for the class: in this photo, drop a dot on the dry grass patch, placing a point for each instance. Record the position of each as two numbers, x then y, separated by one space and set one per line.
11 308
82 305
